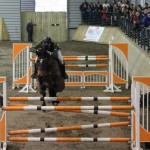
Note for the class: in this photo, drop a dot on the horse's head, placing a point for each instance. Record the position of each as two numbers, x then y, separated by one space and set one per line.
43 63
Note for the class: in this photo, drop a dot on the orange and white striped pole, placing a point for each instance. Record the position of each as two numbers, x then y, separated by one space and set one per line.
58 108
86 58
76 58
86 65
66 139
81 127
69 98
109 113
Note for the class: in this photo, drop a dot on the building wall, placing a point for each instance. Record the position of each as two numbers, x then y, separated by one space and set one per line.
10 12
28 5
51 24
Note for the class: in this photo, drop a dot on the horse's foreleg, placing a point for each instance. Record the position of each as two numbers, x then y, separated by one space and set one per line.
53 93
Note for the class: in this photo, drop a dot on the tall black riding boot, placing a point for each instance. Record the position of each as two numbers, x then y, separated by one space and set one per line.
35 72
64 74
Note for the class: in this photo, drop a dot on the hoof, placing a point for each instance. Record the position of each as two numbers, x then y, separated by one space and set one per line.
1 101
47 125
55 103
44 104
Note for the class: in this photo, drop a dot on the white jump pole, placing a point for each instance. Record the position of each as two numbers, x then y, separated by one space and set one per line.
28 87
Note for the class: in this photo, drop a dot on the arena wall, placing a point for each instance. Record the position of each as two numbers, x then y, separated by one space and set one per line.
51 24
139 60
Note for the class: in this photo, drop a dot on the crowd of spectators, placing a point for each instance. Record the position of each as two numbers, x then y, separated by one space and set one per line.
96 13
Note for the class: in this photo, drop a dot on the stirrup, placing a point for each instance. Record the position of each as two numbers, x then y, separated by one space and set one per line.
33 76
65 76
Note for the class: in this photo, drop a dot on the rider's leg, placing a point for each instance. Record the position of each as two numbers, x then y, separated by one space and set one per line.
60 59
35 69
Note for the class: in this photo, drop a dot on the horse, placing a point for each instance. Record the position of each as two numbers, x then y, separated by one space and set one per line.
49 76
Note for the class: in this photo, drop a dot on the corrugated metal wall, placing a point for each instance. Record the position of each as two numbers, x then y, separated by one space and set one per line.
10 11
28 5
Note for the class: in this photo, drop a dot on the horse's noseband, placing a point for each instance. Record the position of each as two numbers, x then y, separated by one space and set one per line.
41 60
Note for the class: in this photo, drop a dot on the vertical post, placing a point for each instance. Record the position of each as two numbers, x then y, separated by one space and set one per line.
3 125
83 80
13 86
137 114
5 103
127 75
110 87
132 113
4 93
111 69
28 63
28 87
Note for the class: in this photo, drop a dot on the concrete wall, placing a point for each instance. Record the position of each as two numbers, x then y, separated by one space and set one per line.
139 60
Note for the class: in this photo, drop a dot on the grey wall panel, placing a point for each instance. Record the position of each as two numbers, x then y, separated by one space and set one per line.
10 11
28 5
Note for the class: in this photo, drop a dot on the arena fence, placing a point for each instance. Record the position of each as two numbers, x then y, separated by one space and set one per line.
3 130
22 67
117 74
139 117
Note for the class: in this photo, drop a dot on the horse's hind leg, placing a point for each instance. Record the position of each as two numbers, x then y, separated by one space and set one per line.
53 93
43 92
44 103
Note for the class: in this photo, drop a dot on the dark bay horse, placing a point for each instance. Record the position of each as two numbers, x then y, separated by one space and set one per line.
49 76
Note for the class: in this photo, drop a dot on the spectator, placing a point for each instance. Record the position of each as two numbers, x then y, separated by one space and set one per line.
148 9
83 9
106 4
89 14
145 23
146 5
29 29
131 6
115 14
144 12
145 20
104 14
123 7
139 8
99 7
110 8
136 21
119 3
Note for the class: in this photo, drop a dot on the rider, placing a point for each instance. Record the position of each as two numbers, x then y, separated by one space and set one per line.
54 50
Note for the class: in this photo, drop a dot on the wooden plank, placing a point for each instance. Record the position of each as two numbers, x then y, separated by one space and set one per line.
44 21
3 30
80 33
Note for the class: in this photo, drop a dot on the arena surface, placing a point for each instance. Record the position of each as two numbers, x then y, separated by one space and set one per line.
39 119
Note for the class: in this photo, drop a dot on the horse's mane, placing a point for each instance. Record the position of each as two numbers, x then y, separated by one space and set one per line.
48 62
